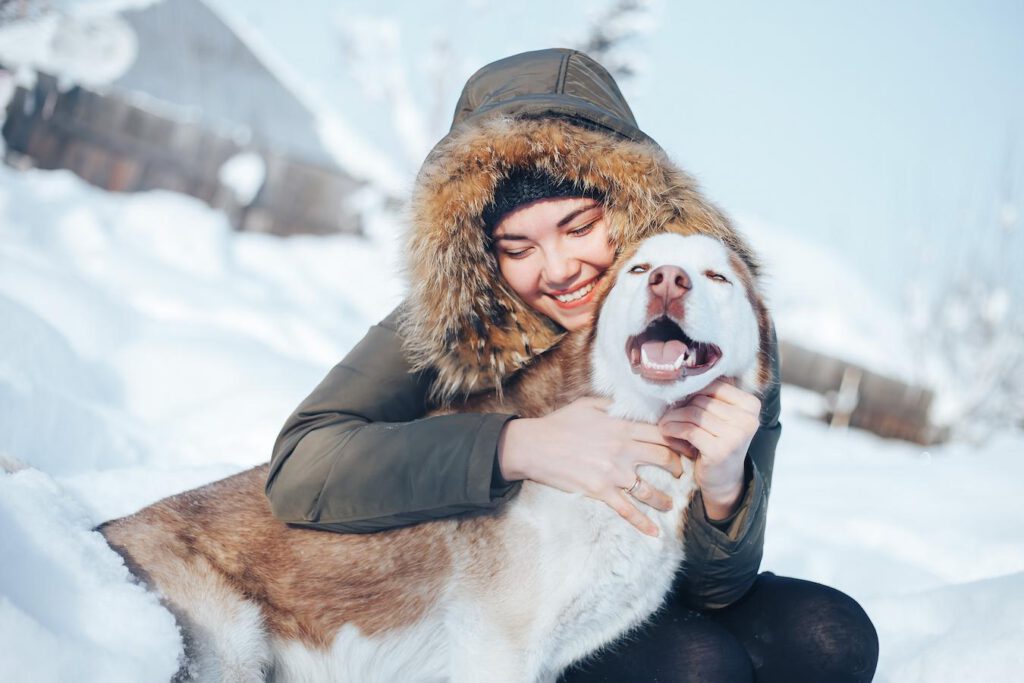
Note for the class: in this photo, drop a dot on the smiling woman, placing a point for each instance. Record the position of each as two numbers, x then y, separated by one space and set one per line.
552 253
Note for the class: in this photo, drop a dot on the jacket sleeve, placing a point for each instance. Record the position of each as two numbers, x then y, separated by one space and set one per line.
357 455
723 557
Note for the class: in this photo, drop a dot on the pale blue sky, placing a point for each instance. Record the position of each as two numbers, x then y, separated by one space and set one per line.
889 131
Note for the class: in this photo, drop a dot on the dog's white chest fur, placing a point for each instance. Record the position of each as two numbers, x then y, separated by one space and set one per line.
600 576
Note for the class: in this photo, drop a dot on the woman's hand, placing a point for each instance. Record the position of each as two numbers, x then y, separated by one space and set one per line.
714 428
581 449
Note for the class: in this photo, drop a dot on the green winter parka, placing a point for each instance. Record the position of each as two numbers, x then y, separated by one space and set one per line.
359 456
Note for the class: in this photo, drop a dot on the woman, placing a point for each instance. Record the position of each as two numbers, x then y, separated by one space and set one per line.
517 213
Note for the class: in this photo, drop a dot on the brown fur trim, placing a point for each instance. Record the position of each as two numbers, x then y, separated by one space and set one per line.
461 319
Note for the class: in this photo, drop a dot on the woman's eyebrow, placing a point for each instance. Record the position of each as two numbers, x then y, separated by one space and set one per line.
509 237
572 214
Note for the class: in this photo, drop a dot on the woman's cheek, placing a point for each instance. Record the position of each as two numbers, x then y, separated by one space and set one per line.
516 273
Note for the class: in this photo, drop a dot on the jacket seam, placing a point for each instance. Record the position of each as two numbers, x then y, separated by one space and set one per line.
563 71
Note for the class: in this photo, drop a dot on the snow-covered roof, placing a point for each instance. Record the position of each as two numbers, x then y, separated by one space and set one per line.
190 57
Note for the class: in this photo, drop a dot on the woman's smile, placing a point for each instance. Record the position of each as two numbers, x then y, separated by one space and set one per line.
579 296
552 253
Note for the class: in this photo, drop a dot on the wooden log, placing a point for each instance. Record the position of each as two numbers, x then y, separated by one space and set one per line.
861 398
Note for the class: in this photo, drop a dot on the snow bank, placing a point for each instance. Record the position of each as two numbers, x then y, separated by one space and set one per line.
68 608
145 350
970 632
112 296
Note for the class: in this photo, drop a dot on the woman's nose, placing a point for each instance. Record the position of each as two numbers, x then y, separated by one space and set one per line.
560 270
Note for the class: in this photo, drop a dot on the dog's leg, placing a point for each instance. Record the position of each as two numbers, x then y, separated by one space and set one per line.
224 632
489 660
482 649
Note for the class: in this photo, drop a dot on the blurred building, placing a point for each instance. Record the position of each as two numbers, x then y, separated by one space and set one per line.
199 112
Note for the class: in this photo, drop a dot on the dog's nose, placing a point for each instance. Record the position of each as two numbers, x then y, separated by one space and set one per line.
669 282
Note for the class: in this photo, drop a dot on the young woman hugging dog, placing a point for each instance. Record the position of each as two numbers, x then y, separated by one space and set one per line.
517 214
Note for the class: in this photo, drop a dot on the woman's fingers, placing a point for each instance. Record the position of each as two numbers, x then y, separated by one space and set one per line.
619 501
650 454
683 448
644 432
684 420
646 493
698 437
676 426
730 393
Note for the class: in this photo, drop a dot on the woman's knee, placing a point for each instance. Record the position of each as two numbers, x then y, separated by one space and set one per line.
675 647
806 628
841 636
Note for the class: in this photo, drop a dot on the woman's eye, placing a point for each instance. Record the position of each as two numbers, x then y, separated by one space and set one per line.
521 253
640 268
583 230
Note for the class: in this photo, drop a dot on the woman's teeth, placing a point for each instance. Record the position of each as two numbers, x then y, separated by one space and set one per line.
574 296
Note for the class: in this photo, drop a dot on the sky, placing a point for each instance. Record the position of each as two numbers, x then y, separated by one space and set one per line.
892 133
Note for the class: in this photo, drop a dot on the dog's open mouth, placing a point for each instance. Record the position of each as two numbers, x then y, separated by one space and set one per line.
663 353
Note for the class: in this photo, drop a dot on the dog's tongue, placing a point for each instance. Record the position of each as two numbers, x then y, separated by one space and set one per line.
664 352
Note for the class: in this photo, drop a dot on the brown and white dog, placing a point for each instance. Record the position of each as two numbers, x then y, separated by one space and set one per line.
517 595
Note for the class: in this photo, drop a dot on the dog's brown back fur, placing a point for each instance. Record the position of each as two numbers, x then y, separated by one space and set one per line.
309 583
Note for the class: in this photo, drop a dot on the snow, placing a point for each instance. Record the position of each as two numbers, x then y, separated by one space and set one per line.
68 609
81 43
243 174
147 349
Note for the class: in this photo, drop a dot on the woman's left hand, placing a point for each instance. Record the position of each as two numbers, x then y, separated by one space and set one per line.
714 428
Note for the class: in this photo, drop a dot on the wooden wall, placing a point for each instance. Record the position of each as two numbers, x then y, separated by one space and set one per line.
861 398
119 146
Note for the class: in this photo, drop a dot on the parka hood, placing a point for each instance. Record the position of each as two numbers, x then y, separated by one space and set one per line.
547 83
556 111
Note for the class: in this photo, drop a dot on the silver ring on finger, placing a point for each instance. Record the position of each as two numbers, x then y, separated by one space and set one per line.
633 487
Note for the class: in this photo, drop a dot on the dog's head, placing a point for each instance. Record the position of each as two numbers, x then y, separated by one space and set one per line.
678 312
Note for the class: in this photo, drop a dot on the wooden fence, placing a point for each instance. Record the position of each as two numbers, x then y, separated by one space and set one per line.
861 398
119 146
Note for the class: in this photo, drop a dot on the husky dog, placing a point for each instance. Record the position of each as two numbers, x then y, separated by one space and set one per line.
516 595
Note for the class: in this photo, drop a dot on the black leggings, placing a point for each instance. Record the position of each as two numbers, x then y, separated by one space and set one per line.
781 630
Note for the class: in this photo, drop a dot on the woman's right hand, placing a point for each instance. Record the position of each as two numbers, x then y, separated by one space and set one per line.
581 449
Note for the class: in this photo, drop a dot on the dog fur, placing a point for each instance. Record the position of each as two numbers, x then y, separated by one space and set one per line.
516 595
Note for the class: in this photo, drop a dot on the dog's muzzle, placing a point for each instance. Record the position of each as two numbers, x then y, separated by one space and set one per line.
663 352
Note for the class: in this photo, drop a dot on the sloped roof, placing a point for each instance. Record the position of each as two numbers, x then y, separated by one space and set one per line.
189 57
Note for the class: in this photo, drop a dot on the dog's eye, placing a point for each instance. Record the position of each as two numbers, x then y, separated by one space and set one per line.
717 277
640 268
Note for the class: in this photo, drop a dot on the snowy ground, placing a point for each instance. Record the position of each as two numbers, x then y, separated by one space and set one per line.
145 349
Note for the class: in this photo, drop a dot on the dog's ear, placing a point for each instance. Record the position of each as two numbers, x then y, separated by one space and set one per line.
759 378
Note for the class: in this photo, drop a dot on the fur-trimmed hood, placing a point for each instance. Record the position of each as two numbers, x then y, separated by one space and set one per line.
461 320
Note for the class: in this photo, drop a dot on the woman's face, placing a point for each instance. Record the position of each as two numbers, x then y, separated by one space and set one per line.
552 252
